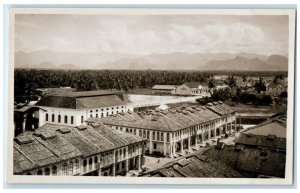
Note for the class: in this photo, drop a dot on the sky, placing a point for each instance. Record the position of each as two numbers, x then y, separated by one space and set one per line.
152 34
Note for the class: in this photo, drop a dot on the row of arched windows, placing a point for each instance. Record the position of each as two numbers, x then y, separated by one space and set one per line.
59 118
66 169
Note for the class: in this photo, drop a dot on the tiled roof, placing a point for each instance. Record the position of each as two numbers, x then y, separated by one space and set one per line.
164 87
80 100
250 161
54 143
168 120
41 151
220 108
273 128
194 165
192 84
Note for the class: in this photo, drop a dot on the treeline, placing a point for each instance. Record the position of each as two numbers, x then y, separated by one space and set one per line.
27 80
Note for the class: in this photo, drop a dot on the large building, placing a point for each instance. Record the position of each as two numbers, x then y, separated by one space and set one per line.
164 89
175 132
92 149
193 88
73 108
259 151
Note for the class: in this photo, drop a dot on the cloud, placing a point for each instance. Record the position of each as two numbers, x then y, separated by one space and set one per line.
145 35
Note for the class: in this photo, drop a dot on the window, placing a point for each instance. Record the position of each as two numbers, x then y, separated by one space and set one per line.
154 145
97 115
124 152
47 171
140 133
47 116
112 108
82 119
162 136
54 170
39 172
168 137
91 111
157 137
64 169
122 107
134 131
123 165
72 120
66 119
117 107
76 166
96 160
84 165
107 114
91 115
53 118
153 135
101 114
71 168
148 134
107 108
59 118
97 110
102 109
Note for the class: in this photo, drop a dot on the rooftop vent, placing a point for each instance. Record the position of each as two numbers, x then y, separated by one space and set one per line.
165 112
47 135
154 118
204 108
185 112
95 124
64 130
183 162
24 139
178 111
209 104
220 102
81 127
215 103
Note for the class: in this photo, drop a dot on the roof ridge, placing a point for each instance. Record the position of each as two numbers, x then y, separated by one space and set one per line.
86 138
52 151
100 135
24 154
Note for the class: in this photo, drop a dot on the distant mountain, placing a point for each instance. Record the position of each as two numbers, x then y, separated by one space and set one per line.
273 63
171 61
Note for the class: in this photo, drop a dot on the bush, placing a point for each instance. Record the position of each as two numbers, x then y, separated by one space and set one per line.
204 100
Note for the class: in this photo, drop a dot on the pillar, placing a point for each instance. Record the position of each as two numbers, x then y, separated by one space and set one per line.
174 148
99 171
165 143
235 125
138 162
114 169
189 143
202 136
150 142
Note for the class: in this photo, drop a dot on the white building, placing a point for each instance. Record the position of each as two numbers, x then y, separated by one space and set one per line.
73 108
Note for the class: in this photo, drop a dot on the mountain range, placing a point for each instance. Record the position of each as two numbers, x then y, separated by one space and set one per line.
173 61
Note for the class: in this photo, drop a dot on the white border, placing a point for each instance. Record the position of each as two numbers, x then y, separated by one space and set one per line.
144 180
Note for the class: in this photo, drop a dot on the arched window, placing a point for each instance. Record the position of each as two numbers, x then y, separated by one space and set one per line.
76 166
59 118
39 172
70 168
66 119
64 170
47 117
54 170
72 119
47 171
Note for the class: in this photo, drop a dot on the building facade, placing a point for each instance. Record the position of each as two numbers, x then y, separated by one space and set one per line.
164 89
176 131
193 88
73 108
93 150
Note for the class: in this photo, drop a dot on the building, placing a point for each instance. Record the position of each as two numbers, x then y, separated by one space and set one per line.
95 150
275 89
164 89
174 132
259 151
47 91
195 165
193 88
73 108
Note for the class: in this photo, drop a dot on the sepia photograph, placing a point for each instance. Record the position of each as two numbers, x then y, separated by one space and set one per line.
151 96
